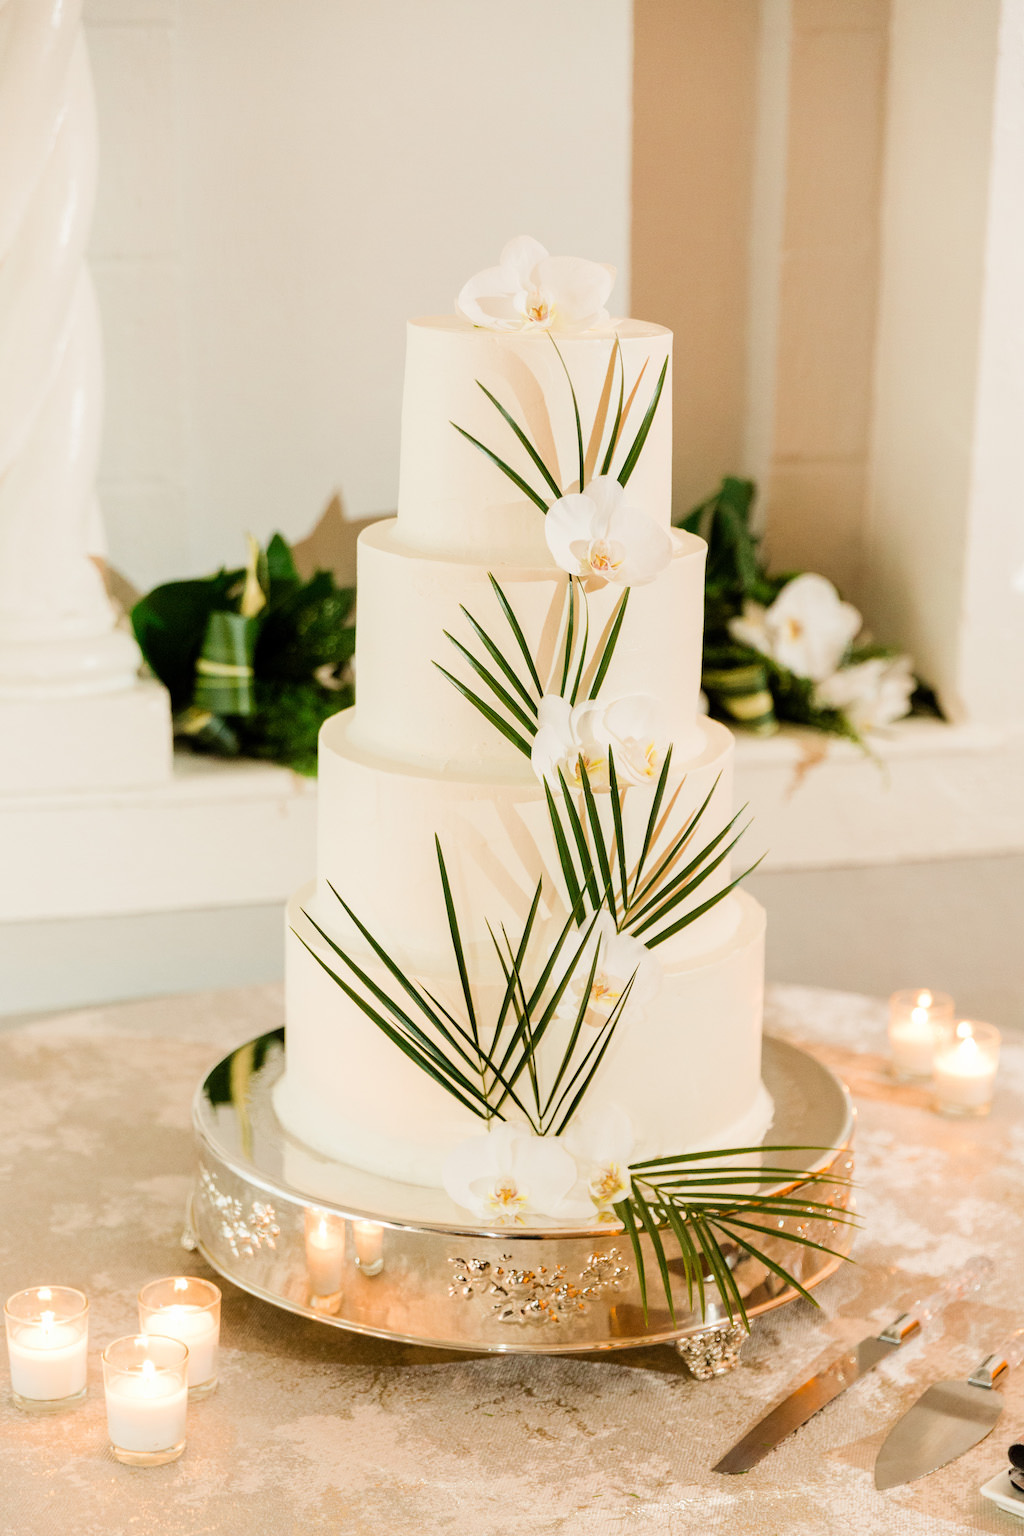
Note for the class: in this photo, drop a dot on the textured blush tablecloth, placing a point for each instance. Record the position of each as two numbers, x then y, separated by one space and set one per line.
313 1430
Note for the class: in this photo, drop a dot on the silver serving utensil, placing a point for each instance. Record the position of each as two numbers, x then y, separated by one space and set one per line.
947 1420
806 1400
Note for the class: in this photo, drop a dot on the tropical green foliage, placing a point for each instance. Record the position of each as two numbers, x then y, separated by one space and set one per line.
254 683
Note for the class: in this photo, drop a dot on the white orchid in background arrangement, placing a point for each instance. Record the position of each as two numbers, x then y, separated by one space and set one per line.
788 648
530 290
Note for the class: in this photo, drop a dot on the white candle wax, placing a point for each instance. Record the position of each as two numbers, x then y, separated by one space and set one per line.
196 1329
146 1409
369 1236
912 1042
325 1256
965 1075
48 1361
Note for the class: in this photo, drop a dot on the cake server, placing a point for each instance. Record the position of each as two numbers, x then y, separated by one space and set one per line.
849 1367
946 1420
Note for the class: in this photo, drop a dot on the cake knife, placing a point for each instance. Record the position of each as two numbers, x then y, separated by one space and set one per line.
947 1420
805 1400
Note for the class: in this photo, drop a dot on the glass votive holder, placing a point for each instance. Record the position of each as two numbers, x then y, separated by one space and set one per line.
47 1343
145 1379
186 1309
369 1241
966 1058
325 1257
914 1016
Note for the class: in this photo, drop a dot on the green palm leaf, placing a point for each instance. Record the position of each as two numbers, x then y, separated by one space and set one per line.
576 409
652 820
520 638
635 451
501 662
506 469
522 437
500 693
608 650
489 714
617 423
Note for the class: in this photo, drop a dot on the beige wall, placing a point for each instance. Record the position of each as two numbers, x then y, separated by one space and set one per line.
695 65
757 170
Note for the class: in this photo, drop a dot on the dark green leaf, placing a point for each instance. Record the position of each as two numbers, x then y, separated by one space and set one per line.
488 713
517 480
513 623
645 426
521 435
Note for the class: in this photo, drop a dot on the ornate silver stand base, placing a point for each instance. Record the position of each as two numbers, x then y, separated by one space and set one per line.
400 1262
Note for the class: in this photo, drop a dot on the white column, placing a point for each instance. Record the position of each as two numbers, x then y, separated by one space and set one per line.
72 712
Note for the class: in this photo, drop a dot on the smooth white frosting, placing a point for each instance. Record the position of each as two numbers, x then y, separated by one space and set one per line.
451 499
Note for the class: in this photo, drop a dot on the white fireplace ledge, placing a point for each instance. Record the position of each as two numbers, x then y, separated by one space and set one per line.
226 834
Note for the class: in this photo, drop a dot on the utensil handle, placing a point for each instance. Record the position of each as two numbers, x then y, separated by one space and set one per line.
962 1282
1010 1354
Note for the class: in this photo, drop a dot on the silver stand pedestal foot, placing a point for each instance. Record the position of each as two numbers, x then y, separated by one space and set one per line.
714 1352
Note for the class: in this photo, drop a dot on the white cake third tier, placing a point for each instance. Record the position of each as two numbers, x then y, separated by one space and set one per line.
417 764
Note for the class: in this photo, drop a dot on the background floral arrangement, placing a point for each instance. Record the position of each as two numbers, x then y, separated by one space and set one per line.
787 647
255 659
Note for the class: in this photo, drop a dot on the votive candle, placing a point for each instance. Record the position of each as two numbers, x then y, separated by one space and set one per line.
914 1016
325 1251
369 1238
145 1379
47 1342
186 1309
966 1059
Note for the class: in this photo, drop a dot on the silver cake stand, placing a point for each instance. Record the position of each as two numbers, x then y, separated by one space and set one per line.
422 1272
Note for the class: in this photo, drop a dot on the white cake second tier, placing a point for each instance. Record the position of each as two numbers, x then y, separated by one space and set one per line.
687 1071
378 820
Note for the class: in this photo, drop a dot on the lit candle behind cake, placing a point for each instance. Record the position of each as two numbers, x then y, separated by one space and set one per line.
325 1251
47 1341
966 1059
914 1016
369 1238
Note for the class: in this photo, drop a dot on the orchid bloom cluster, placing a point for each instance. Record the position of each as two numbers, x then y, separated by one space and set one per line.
595 533
572 738
508 1174
808 630
530 290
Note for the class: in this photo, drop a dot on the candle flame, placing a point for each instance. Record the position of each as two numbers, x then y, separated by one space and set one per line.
924 999
47 1321
965 1031
44 1293
181 1284
919 1015
148 1370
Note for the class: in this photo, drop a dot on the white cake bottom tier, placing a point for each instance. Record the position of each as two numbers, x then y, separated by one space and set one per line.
687 1071
407 600
378 820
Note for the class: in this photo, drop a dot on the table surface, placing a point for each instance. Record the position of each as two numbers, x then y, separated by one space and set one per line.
313 1430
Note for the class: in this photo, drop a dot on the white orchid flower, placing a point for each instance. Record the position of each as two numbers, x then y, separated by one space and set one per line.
620 957
509 1173
601 1140
565 738
808 629
594 533
573 737
871 693
530 290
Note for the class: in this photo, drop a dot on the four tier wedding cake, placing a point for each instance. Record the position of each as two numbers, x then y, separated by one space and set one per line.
524 962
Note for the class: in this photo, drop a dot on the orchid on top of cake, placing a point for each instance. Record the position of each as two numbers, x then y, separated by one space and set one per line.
525 1070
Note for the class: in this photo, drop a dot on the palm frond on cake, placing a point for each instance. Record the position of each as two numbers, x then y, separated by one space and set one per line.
485 1063
708 1208
549 476
599 872
510 676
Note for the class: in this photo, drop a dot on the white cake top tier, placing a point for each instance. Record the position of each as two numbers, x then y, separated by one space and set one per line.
453 499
